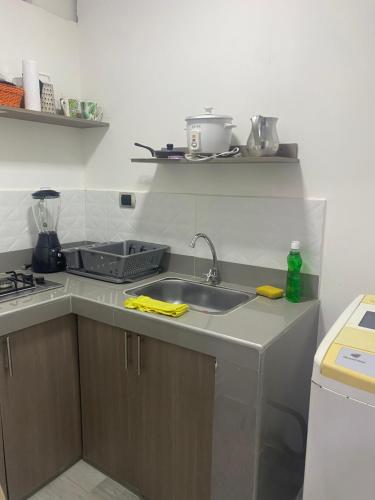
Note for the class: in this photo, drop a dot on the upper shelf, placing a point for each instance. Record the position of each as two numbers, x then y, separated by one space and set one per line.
37 116
287 154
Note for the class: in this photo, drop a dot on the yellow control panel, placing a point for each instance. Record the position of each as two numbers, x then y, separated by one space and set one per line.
369 299
351 357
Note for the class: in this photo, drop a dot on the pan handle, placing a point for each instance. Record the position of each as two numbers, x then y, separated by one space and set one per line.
152 151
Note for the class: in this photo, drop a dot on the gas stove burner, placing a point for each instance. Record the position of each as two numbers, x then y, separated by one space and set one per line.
12 282
16 284
5 285
5 282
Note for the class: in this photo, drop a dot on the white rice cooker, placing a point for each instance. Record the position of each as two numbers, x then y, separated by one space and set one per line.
209 133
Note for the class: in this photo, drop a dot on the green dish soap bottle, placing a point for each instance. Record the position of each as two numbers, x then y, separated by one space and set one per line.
293 282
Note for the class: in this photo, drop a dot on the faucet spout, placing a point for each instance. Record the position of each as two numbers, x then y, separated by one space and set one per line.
213 275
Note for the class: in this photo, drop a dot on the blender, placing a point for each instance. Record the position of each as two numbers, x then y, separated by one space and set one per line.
47 256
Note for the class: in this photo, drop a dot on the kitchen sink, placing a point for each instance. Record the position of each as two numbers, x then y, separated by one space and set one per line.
200 297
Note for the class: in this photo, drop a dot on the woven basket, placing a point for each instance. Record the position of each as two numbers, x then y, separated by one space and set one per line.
10 96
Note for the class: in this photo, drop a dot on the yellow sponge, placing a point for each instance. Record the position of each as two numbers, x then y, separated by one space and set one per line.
270 291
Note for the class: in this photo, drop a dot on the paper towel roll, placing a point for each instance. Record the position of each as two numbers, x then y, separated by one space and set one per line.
31 85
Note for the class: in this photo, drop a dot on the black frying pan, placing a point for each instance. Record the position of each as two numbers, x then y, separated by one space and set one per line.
164 152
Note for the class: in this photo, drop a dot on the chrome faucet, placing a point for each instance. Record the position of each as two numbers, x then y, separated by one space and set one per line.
212 276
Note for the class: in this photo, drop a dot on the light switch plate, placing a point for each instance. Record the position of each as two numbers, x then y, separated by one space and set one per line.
127 200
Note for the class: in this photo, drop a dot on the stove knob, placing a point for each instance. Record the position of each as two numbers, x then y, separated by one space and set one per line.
40 280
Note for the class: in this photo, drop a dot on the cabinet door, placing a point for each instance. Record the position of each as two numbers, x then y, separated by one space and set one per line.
3 480
109 399
176 415
40 404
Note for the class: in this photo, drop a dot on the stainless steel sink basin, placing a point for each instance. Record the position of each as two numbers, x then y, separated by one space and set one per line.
201 297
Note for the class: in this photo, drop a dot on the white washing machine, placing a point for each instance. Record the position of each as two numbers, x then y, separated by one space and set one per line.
340 461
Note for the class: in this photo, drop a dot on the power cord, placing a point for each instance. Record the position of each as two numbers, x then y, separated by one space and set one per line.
194 157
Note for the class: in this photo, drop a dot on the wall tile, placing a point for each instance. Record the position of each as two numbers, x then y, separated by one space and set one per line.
72 219
245 230
98 205
158 217
17 226
15 215
258 231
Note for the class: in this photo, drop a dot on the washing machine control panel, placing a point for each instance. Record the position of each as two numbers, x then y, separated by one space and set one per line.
364 315
350 359
357 361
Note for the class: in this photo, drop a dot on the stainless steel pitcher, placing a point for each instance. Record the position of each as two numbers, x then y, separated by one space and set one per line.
263 139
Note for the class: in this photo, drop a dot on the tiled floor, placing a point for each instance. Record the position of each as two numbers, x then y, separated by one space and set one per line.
83 482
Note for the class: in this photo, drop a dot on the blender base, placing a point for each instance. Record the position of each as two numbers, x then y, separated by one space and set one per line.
47 256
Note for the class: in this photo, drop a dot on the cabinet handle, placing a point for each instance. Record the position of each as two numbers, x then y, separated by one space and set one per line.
138 355
10 364
126 351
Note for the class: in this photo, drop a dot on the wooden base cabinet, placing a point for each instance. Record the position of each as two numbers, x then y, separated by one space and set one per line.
3 479
147 410
40 404
109 403
175 425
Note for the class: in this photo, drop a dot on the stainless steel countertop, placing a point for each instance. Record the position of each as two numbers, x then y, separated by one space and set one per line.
255 325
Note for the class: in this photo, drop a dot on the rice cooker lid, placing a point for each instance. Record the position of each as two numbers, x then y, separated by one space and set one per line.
209 115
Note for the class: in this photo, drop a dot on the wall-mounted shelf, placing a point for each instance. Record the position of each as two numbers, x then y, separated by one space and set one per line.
47 118
242 160
287 155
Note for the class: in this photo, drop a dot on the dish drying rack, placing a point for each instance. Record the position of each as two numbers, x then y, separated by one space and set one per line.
116 262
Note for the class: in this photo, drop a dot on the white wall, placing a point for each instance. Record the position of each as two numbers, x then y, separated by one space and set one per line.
311 63
35 155
66 9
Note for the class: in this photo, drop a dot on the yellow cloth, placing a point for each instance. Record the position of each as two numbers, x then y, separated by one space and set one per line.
147 304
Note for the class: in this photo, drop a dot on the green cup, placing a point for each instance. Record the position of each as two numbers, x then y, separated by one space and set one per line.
91 110
71 107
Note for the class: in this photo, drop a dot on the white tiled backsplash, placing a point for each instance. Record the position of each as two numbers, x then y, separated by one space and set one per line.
18 229
246 230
